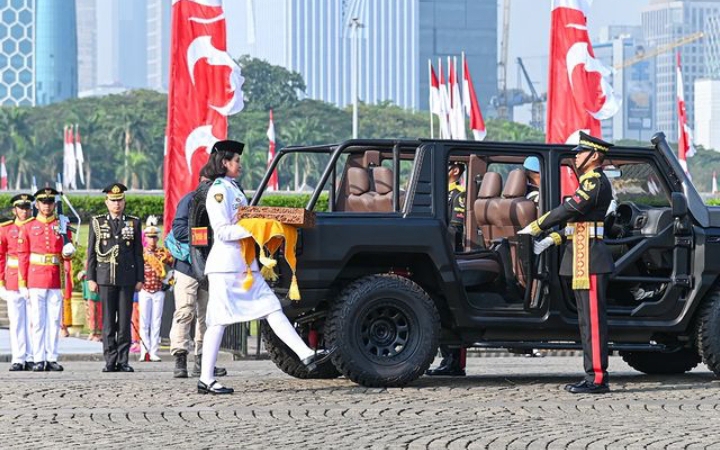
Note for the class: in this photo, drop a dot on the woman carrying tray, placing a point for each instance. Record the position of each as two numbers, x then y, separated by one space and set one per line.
229 301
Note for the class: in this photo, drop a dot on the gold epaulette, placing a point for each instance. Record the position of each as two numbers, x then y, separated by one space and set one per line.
591 174
133 217
6 223
99 216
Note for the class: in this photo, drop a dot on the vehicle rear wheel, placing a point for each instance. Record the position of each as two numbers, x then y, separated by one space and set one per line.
288 361
708 332
385 329
656 363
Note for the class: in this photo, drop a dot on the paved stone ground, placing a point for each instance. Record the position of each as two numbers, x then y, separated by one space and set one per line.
511 402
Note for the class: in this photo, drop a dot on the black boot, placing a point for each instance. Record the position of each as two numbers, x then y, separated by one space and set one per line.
197 368
180 370
449 366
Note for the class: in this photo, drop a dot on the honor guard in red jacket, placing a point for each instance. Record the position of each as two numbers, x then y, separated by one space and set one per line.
587 259
18 305
46 243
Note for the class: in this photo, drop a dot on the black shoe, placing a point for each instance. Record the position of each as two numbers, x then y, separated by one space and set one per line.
212 389
587 387
17 367
124 367
197 369
110 368
39 367
317 358
446 371
29 366
574 385
180 370
53 366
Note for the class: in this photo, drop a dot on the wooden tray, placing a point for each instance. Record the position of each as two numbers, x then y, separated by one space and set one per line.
298 217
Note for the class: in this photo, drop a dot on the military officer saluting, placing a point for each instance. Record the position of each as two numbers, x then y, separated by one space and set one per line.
18 306
587 260
115 270
41 256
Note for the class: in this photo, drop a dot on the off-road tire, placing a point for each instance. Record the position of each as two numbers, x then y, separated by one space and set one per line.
198 218
288 361
385 329
708 331
656 363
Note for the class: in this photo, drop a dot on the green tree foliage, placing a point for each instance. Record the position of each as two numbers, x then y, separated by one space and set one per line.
268 87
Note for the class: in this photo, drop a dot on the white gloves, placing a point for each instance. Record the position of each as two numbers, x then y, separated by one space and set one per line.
526 230
24 292
542 245
68 250
3 293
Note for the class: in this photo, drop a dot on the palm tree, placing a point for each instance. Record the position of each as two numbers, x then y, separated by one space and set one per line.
129 133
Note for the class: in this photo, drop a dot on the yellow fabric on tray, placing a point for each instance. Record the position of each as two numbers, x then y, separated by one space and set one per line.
269 234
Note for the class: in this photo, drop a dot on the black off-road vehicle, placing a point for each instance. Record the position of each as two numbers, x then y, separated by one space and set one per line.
384 278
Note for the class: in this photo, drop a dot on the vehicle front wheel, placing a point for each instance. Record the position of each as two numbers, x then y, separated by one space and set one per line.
655 363
385 328
708 332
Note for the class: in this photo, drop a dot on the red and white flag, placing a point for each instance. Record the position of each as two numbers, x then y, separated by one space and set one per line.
204 88
69 160
472 107
3 174
79 155
579 96
457 116
273 182
444 105
714 183
685 145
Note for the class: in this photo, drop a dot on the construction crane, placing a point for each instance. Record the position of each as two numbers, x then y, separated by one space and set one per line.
537 118
501 102
659 50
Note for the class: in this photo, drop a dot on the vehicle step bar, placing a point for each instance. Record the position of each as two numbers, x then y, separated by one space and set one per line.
649 347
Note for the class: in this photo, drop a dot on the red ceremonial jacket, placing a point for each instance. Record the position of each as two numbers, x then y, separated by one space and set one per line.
40 254
10 241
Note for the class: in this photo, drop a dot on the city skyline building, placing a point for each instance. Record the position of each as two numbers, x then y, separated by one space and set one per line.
158 44
396 41
86 13
707 114
633 82
17 58
664 23
56 54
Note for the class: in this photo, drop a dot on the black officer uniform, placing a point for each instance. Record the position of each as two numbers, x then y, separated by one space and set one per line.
584 213
453 359
115 263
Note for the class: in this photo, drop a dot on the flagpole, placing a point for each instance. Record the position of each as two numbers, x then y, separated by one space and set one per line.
430 100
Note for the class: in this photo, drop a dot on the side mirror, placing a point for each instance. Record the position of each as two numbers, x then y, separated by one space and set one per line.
679 204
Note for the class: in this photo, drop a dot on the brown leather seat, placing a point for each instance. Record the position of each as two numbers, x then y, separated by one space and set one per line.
383 178
513 211
489 192
360 198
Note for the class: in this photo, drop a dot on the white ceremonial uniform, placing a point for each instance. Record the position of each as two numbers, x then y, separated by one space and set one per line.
228 302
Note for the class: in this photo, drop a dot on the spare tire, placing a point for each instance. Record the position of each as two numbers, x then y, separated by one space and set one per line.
198 218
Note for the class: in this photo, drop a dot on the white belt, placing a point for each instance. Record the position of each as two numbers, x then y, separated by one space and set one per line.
596 232
12 262
50 259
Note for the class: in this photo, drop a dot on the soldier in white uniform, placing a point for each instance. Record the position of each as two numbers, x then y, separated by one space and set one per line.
228 302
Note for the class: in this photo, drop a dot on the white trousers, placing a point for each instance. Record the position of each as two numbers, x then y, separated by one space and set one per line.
150 307
46 307
20 332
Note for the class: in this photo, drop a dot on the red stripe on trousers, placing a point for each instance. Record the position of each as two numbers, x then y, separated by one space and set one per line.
595 331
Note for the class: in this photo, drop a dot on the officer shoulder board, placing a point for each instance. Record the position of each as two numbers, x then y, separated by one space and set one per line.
6 223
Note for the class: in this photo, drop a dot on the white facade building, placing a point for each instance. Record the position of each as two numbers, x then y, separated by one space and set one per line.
707 114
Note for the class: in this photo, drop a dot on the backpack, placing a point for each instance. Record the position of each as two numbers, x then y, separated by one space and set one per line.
179 250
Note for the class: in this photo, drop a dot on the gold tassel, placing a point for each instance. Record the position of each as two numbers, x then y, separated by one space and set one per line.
268 273
294 293
267 261
248 282
580 283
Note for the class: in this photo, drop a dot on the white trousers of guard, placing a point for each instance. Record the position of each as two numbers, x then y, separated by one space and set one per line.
150 307
20 333
46 306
